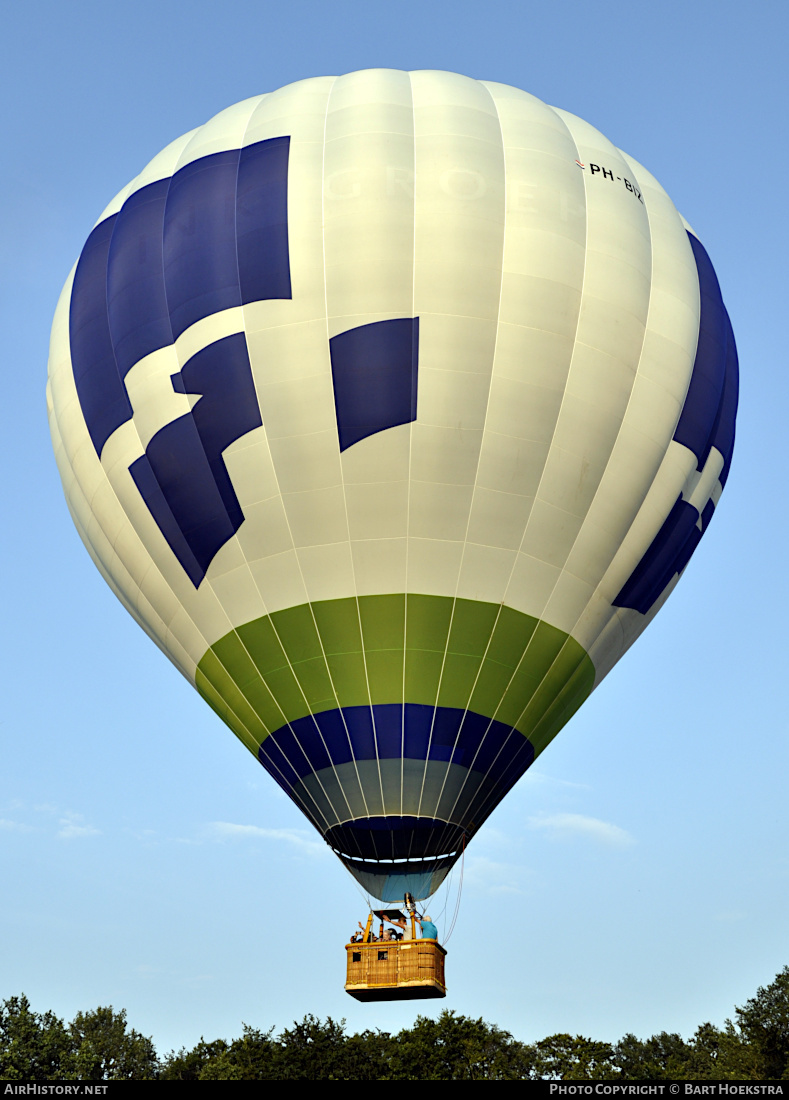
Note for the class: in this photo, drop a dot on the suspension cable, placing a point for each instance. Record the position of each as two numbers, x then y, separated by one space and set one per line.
460 891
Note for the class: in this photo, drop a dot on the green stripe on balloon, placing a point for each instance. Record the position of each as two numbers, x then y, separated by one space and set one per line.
433 650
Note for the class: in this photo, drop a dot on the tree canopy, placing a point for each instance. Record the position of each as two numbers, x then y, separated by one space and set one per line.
100 1046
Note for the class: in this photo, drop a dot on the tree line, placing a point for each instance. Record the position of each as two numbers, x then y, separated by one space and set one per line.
100 1046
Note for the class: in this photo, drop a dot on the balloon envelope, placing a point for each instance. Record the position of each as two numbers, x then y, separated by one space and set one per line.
392 406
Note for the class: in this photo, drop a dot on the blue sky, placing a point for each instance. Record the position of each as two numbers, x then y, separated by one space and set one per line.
637 879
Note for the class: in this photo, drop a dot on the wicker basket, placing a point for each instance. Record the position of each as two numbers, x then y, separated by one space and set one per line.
393 970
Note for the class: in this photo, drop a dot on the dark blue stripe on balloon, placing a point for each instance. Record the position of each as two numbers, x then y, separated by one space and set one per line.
226 232
462 738
102 395
200 261
158 505
262 221
707 420
449 734
700 410
668 555
213 236
182 477
136 299
696 427
225 219
723 436
374 370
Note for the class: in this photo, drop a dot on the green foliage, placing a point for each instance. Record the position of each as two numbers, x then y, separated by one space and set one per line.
106 1051
721 1054
572 1058
457 1048
658 1058
309 1051
33 1047
250 1058
312 1051
755 1048
95 1047
713 1054
99 1046
187 1065
368 1056
763 1023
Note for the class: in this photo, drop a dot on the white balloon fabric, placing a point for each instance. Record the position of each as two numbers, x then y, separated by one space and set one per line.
392 405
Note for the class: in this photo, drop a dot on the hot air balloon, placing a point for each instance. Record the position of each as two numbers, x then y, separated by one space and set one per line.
392 406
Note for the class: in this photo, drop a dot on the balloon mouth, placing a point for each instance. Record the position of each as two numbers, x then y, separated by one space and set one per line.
412 861
390 838
391 856
392 880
